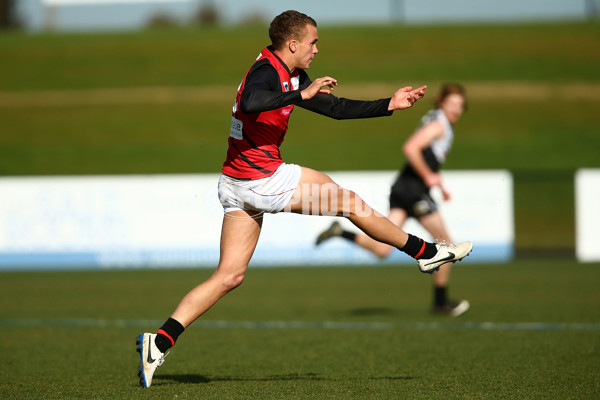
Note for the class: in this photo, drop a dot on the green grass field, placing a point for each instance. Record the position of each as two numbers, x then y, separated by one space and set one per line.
308 333
159 102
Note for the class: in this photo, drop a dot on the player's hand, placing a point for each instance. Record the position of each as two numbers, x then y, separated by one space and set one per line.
445 193
406 97
432 179
320 85
435 179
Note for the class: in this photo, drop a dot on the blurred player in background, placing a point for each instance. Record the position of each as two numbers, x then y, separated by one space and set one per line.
425 152
255 179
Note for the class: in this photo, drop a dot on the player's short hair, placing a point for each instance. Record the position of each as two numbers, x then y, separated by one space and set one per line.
288 25
448 89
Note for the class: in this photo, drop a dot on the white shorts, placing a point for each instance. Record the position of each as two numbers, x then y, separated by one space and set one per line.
270 194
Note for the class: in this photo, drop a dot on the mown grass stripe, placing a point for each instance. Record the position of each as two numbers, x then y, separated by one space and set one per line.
508 90
330 325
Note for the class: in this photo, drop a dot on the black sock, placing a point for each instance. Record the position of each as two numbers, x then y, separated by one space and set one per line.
168 334
439 295
418 248
349 235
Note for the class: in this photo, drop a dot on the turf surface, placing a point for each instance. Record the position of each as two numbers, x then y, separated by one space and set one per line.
533 332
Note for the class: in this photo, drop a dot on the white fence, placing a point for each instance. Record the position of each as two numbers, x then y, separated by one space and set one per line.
175 220
587 211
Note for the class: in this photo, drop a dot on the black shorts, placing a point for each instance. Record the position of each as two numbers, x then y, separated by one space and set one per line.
412 195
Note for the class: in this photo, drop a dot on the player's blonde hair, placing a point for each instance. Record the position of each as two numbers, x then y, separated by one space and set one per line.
288 25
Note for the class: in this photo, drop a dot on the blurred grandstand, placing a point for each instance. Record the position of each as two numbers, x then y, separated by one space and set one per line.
69 15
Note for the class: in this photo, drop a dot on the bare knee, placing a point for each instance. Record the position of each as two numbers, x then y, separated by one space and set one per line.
233 281
352 205
230 280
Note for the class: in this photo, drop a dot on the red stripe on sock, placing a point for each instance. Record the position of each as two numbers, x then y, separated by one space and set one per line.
161 332
422 249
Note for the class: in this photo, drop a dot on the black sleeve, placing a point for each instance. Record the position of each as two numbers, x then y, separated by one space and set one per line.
342 108
262 91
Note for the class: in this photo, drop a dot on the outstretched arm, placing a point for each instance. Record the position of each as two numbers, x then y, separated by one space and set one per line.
325 103
263 92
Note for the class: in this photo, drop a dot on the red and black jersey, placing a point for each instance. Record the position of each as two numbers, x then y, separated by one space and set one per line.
264 101
255 138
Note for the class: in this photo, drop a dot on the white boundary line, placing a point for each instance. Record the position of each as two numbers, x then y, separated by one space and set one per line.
309 325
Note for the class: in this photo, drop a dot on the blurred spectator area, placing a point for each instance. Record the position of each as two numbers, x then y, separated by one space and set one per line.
70 15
